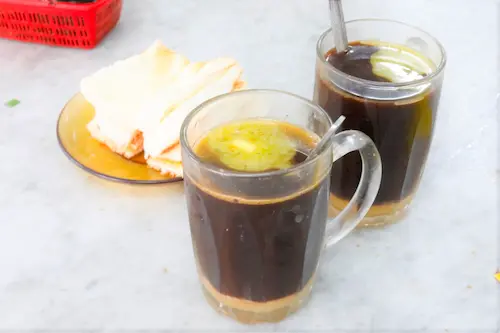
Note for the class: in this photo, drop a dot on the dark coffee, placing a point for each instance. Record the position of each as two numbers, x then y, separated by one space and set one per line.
250 249
400 125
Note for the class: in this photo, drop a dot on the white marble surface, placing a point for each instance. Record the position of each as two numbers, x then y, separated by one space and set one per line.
79 253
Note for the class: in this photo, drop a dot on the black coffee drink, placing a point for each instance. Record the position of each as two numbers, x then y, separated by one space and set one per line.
250 251
401 123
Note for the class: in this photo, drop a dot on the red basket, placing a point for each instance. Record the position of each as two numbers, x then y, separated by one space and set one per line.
57 23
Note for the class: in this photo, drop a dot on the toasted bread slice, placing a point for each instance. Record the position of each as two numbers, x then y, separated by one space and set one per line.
141 102
169 163
167 168
213 78
128 150
118 94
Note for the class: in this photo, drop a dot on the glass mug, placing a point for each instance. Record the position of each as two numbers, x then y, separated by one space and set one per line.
398 117
257 237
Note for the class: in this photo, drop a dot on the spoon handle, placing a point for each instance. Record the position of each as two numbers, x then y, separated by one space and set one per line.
338 25
326 140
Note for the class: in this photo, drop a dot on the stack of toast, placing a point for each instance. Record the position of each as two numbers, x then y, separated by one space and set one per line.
141 102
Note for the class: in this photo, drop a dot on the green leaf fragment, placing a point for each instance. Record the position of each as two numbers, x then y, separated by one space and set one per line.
13 102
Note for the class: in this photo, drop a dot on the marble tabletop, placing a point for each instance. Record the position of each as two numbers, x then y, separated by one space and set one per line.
79 253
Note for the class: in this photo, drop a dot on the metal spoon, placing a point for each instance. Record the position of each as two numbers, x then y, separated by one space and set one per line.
326 140
338 26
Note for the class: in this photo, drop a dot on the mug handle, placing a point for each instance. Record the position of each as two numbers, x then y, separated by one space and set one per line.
371 175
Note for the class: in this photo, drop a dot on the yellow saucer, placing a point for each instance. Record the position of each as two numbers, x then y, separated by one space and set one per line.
94 157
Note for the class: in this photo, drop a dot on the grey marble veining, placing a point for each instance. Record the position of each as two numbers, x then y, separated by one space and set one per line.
80 253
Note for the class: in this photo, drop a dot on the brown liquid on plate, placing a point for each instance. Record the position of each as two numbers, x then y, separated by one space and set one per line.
94 156
258 251
401 128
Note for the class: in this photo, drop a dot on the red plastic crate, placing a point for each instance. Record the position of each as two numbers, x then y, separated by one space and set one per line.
57 23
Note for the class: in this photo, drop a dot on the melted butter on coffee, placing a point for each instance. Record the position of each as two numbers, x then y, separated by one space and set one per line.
255 145
382 62
399 64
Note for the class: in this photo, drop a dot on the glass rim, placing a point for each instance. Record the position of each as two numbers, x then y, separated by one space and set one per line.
439 69
241 174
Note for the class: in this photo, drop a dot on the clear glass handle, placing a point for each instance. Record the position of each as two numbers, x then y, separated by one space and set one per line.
343 143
